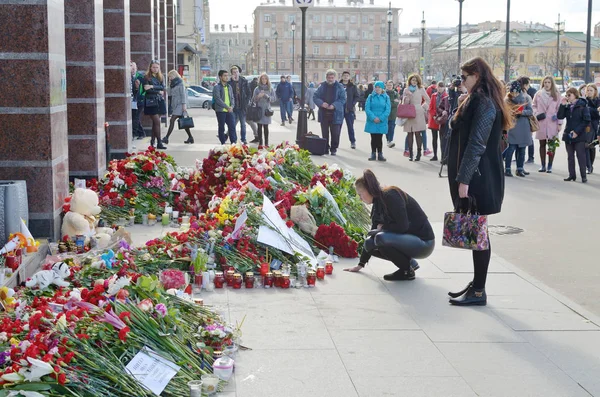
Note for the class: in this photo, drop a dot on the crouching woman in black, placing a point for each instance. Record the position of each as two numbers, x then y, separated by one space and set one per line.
400 232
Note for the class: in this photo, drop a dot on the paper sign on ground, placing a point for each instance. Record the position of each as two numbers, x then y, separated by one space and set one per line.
241 221
152 371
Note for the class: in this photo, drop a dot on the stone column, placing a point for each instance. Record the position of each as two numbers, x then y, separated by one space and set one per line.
33 107
117 76
156 28
84 41
142 33
171 37
163 36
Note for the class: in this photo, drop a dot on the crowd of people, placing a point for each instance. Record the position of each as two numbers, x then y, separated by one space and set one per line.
412 106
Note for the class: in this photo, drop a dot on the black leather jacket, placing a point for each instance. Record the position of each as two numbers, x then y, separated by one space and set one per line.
475 156
157 87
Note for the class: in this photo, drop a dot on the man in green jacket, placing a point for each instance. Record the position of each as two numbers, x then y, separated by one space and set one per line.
394 101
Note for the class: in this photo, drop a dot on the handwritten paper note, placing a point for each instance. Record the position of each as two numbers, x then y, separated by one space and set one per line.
152 371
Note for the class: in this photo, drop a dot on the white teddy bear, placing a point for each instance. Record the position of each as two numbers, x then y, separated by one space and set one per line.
56 276
81 218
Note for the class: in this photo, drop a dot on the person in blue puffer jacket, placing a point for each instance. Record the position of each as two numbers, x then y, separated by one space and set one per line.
378 110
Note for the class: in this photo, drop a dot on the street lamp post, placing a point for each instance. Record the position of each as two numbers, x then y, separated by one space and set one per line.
258 53
506 44
389 51
293 47
588 42
267 56
460 2
560 26
422 64
302 128
276 35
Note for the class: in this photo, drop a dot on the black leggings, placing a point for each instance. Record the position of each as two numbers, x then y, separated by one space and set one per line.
172 124
396 248
376 143
434 134
264 127
481 262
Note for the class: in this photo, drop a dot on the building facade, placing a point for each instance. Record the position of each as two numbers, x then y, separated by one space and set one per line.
345 36
193 38
230 47
532 53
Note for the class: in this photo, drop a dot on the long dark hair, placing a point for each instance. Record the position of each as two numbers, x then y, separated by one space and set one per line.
488 85
369 182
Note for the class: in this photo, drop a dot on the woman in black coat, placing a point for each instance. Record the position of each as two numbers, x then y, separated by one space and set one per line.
576 111
401 231
475 167
152 88
593 103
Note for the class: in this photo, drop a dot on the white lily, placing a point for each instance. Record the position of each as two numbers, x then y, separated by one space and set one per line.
22 393
13 377
37 369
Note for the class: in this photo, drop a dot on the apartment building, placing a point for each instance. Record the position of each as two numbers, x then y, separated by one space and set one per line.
230 45
193 38
345 35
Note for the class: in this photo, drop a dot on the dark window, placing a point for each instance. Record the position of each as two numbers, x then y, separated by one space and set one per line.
180 59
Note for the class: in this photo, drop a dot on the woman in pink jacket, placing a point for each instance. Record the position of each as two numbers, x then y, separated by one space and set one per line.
545 109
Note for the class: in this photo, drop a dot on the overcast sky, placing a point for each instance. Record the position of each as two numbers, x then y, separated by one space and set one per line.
442 13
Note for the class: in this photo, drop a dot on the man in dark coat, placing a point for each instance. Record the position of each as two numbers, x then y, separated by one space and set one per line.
242 95
137 103
285 93
330 97
351 99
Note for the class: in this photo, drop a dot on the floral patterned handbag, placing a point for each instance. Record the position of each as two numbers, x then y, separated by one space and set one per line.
467 229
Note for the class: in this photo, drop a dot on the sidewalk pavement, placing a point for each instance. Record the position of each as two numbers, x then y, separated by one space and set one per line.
358 335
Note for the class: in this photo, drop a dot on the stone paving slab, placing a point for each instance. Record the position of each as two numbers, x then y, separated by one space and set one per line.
358 335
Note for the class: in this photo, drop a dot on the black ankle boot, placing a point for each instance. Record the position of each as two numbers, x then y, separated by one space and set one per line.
267 138
461 292
400 275
472 297
410 155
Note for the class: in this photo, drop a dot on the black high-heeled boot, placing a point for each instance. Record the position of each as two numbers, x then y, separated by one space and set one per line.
461 292
267 138
472 297
410 155
418 158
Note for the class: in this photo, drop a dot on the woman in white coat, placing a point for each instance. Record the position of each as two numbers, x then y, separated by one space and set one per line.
545 109
416 95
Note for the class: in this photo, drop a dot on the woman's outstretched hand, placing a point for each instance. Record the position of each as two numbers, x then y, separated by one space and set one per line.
354 269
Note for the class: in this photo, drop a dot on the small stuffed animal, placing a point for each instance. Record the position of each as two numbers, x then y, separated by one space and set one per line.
56 276
81 218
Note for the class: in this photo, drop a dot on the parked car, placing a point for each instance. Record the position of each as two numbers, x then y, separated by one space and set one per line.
201 90
535 86
576 83
198 100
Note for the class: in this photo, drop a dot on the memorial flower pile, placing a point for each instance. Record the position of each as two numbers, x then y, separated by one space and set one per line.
78 340
232 182
139 184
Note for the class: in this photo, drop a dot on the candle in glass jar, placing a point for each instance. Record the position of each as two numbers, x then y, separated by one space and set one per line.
165 219
311 278
320 272
264 269
219 280
249 280
237 281
285 281
268 280
229 277
278 278
328 267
